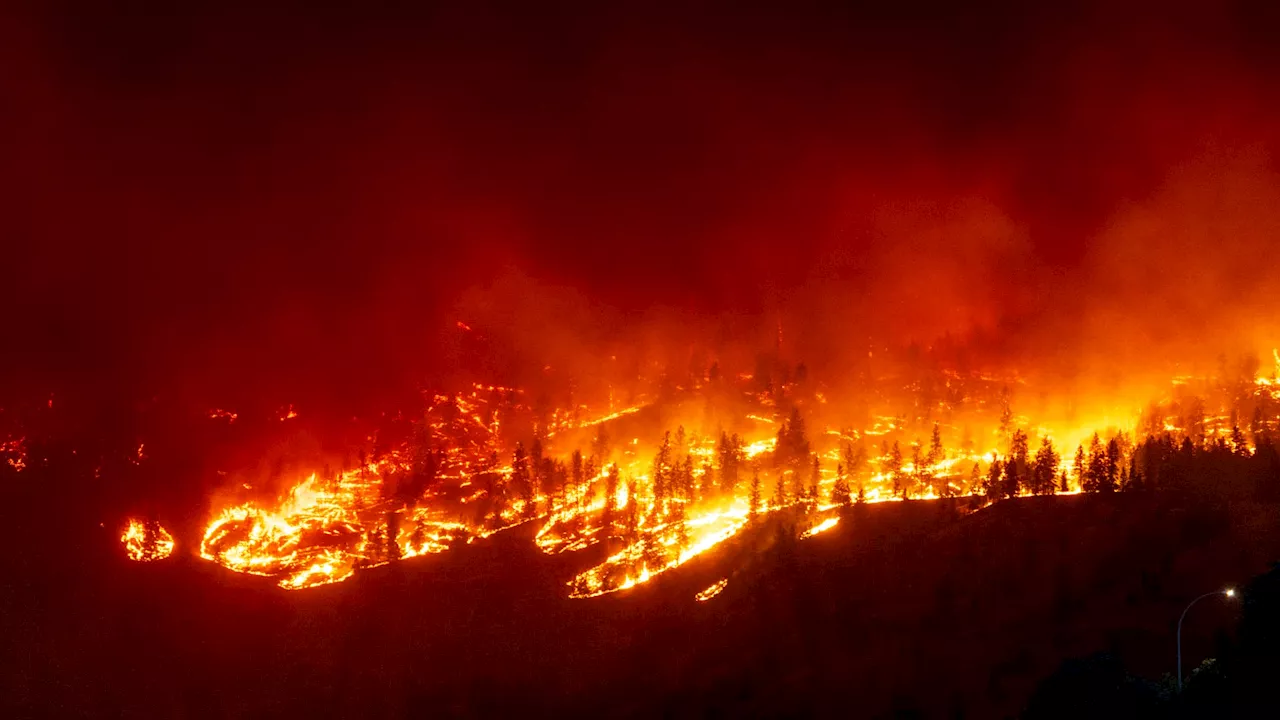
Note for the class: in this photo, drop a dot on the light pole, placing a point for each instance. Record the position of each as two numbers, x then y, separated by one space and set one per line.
1229 592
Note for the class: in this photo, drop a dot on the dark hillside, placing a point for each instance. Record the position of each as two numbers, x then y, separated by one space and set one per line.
902 607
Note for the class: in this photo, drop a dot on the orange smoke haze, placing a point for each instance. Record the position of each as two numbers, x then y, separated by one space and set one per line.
1068 190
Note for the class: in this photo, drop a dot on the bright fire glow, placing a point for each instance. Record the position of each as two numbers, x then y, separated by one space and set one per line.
822 527
712 590
644 502
146 541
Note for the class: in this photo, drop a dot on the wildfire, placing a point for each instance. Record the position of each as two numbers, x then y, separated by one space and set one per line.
649 505
712 590
659 549
822 527
322 531
145 541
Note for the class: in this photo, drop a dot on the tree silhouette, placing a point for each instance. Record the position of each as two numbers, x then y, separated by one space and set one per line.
729 451
1095 475
994 486
609 518
753 502
631 517
1079 467
1111 476
1009 484
1016 468
706 482
815 479
840 493
1095 687
578 477
919 471
600 447
661 475
1238 444
1006 419
1044 469
895 469
521 482
936 454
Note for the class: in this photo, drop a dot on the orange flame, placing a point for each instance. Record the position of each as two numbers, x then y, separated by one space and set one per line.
146 541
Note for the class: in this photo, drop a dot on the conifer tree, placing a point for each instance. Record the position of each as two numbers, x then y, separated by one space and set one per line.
753 502
1096 472
936 454
895 468
919 478
729 451
600 445
1044 468
1135 474
1238 443
1017 467
610 503
1011 481
840 493
779 490
993 488
1111 474
706 481
577 477
1079 467
631 517
521 482
661 475
815 479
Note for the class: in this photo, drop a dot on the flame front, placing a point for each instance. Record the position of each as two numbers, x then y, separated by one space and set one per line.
713 590
646 504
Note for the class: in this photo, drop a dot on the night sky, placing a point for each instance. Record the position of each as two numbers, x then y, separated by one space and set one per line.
221 194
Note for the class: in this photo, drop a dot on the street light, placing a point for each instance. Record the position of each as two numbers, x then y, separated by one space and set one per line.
1229 592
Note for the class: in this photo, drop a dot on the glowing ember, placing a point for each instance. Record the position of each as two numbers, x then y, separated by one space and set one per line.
712 590
145 541
14 451
220 414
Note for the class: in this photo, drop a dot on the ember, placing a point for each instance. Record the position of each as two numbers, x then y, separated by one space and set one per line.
14 452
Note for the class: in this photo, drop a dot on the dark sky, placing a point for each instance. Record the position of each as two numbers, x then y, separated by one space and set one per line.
220 192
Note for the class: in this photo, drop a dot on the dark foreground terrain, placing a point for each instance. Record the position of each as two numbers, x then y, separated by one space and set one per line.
904 608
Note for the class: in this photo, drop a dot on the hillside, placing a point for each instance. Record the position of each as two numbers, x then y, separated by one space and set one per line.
902 607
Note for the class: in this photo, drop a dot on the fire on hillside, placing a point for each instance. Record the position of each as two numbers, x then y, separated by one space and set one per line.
651 497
